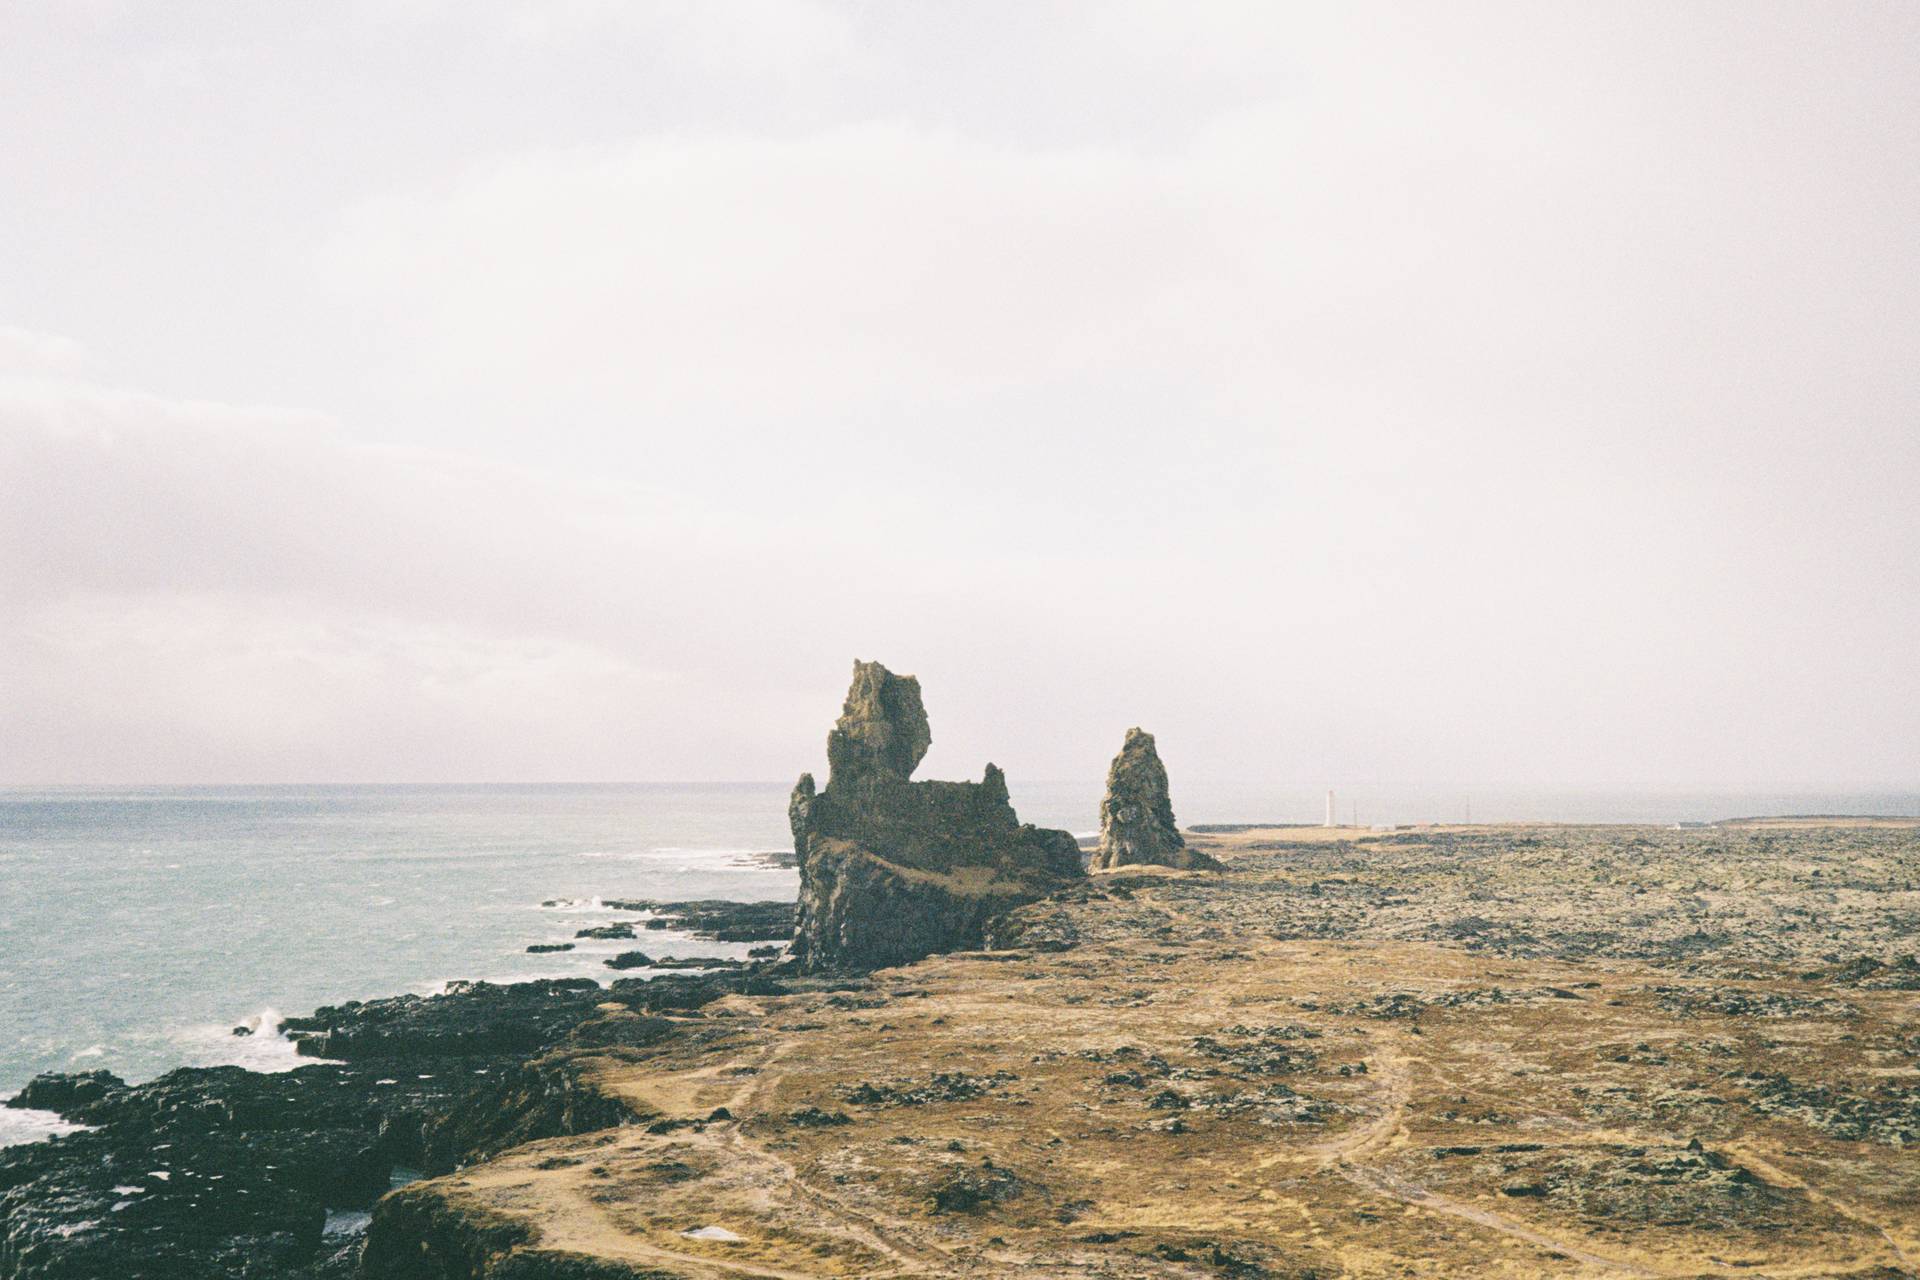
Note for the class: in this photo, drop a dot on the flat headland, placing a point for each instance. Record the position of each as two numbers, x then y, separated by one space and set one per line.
1489 1051
1507 1051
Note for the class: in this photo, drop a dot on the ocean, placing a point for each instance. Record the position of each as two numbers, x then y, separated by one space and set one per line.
139 926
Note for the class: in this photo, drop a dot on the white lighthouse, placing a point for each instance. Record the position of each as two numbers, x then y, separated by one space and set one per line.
1329 806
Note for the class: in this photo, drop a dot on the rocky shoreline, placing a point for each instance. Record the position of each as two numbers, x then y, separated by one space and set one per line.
1259 1052
1522 1051
213 1172
1500 1052
216 1172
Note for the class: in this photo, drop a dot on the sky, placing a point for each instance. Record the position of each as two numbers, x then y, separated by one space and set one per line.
1400 394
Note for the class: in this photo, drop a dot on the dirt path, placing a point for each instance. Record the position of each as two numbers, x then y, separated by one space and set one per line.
887 1238
1349 1152
1395 1068
1775 1174
1380 1180
1054 1070
779 1176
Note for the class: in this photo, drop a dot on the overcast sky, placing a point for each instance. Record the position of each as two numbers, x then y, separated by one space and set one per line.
1390 394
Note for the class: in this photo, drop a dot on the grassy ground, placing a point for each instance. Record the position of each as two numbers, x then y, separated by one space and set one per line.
1481 1051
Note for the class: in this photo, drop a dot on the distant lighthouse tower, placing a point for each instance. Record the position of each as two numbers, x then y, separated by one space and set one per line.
1329 821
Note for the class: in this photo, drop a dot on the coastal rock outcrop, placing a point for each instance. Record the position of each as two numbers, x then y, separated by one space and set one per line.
1136 817
882 732
219 1173
891 869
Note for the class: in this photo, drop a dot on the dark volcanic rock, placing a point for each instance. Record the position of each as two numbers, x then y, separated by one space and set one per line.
717 919
204 1172
418 1234
521 1102
86 1207
1136 817
974 1190
616 931
892 870
218 1173
65 1093
471 1018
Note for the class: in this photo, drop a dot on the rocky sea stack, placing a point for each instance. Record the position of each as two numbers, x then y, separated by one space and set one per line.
1136 817
891 869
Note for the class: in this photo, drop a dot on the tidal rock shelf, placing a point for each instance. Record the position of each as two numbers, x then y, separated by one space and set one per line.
713 919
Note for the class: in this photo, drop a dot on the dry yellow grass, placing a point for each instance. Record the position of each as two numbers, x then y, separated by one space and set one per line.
1193 1089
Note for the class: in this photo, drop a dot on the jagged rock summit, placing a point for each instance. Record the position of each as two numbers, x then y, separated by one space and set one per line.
892 870
882 731
1136 817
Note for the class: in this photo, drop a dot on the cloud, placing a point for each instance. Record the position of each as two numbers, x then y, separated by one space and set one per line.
1507 392
30 352
1342 284
201 590
204 591
258 687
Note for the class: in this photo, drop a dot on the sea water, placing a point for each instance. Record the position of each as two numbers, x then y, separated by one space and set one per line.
139 926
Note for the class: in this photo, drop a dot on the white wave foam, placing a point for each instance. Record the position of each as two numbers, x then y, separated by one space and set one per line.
731 852
707 857
20 1125
264 1049
346 1222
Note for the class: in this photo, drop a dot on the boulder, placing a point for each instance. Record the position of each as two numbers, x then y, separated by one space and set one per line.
65 1093
1136 817
608 932
891 869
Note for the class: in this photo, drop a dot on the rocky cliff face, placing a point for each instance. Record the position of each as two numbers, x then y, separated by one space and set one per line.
1136 817
891 869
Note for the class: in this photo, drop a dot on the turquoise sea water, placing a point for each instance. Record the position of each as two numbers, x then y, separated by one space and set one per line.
139 926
